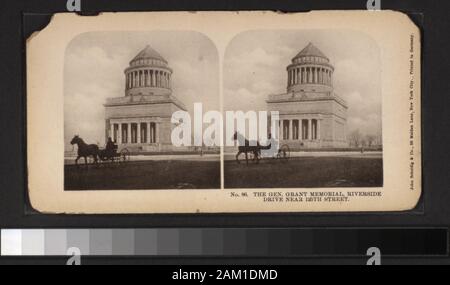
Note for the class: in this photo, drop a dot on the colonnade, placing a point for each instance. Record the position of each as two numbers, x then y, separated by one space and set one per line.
148 78
300 129
309 74
134 132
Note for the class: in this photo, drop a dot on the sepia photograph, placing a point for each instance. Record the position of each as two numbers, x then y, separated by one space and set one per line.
120 91
325 85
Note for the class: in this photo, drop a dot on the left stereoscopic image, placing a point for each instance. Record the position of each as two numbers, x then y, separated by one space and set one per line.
120 91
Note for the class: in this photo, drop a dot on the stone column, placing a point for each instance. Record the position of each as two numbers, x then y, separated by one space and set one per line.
156 132
331 78
300 129
318 129
289 78
148 133
111 131
314 129
138 132
129 133
150 77
139 78
152 130
119 135
291 129
309 130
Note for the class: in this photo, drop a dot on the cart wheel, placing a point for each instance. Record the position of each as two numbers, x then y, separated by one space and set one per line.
284 152
124 155
251 158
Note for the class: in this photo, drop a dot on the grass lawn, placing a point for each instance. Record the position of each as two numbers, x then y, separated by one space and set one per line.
163 174
306 172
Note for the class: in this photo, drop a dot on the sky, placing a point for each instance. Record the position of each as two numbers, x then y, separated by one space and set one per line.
94 70
255 67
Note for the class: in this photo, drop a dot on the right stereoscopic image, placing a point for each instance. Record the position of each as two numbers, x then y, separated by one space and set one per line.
325 87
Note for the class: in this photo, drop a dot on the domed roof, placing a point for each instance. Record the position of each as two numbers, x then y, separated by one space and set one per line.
148 53
310 50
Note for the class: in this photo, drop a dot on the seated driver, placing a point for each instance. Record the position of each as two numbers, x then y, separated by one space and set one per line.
110 146
272 147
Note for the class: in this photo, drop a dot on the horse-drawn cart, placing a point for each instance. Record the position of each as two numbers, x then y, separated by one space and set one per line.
253 152
113 155
255 155
91 151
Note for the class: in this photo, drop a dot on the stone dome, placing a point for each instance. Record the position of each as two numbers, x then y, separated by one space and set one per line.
148 56
148 74
311 51
310 71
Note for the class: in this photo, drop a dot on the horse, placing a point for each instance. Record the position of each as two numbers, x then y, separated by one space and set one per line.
244 146
85 150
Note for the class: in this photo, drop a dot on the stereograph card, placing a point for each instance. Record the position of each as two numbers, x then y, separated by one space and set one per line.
224 112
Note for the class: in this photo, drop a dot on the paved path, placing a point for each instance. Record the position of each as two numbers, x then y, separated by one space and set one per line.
355 154
188 157
231 156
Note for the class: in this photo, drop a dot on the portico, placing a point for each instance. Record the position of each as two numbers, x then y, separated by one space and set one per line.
300 129
134 131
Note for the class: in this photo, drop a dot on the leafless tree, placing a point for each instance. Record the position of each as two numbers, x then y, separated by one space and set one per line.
355 138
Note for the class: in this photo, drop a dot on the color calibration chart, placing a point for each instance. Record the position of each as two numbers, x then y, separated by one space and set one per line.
224 242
